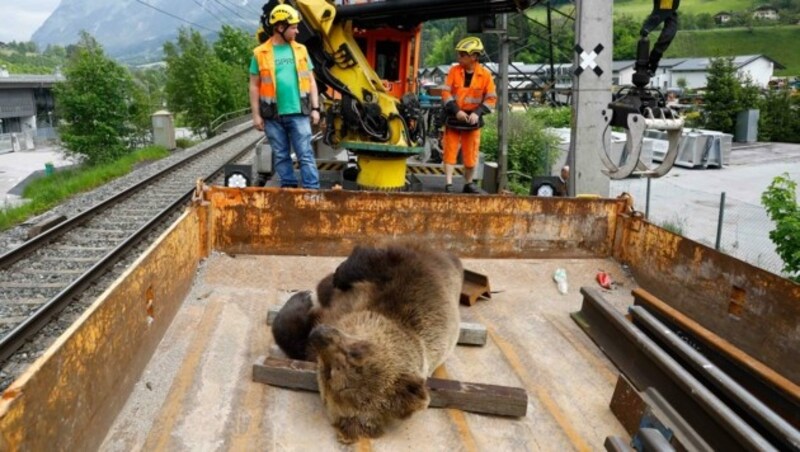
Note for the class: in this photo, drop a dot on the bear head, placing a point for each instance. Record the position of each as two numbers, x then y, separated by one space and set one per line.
364 383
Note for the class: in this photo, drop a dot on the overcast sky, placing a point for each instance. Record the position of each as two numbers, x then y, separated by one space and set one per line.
20 18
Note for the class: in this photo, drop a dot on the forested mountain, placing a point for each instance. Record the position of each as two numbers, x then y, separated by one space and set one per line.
130 28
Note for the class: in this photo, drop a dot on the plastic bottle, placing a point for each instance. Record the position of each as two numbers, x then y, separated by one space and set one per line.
560 277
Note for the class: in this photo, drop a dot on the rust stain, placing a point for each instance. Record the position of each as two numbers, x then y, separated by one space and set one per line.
699 282
458 418
266 221
163 426
513 359
71 395
11 393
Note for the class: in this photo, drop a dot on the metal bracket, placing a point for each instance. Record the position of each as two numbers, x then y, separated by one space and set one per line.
199 195
664 119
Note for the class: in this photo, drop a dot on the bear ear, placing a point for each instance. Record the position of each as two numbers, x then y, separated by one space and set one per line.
411 395
358 352
325 291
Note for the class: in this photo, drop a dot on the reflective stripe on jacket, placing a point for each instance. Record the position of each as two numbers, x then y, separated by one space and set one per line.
481 90
265 57
666 5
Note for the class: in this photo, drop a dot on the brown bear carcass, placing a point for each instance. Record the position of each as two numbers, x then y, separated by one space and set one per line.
384 321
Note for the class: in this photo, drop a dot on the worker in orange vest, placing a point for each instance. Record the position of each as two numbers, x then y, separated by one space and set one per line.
283 96
468 94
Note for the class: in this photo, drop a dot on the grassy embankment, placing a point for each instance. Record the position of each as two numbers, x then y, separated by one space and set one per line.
640 9
46 192
779 43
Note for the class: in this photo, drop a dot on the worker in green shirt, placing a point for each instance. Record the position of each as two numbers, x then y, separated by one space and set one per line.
284 95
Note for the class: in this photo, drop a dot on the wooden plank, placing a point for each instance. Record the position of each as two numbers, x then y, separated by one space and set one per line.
473 397
469 333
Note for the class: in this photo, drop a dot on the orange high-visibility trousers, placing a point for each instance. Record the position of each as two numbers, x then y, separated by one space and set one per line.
470 142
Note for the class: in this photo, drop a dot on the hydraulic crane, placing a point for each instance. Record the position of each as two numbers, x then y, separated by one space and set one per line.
366 57
381 122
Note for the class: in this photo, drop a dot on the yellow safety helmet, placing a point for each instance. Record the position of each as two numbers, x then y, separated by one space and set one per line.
471 45
283 13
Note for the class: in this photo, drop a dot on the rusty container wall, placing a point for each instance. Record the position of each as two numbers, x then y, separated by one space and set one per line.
755 310
330 223
69 397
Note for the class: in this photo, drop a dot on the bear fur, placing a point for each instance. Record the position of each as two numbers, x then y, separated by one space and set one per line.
293 324
384 321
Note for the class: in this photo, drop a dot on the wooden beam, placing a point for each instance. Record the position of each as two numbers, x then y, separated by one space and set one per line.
472 397
469 333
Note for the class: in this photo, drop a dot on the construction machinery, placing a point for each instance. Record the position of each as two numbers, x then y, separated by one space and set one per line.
367 54
637 109
366 58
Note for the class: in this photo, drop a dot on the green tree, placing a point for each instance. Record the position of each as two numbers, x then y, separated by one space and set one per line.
721 104
95 104
780 117
55 51
626 37
748 94
235 46
199 85
442 51
153 82
780 200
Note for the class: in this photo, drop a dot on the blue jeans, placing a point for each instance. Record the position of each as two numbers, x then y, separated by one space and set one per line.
294 129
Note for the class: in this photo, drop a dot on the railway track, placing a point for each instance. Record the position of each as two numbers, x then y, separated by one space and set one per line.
42 276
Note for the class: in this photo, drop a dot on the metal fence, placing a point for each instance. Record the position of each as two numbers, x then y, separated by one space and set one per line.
742 233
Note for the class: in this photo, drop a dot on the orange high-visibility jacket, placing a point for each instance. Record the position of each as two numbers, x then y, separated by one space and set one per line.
481 90
265 56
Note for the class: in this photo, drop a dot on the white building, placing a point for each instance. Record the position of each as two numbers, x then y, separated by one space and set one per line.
722 17
695 71
765 13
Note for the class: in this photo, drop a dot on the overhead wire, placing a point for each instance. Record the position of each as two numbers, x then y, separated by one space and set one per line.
254 11
234 12
246 10
210 12
173 15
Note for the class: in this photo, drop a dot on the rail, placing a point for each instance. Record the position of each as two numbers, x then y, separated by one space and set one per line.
219 121
91 243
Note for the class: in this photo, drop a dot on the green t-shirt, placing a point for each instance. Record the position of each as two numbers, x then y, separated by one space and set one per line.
285 79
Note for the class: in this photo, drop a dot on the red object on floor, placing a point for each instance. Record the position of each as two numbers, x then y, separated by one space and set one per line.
604 280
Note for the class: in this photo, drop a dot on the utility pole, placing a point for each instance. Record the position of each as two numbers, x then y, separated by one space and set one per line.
502 105
591 94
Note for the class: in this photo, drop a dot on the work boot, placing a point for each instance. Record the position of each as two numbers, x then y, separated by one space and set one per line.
470 188
448 188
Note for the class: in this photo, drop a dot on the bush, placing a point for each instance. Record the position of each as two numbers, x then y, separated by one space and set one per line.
185 143
552 117
694 119
781 203
780 118
531 149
